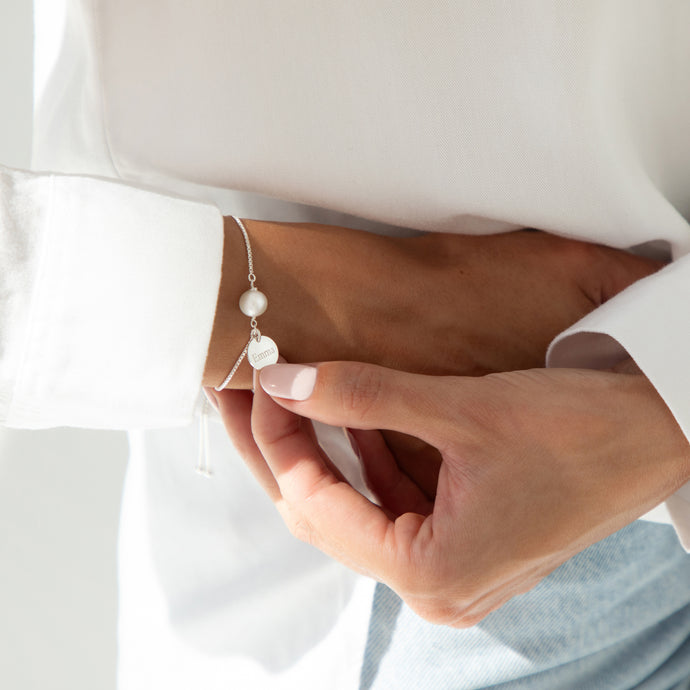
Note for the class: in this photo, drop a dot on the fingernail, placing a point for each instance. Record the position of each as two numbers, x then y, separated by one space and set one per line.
291 381
211 397
255 379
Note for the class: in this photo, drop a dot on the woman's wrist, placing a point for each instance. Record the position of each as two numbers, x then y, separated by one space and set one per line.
321 283
435 304
230 327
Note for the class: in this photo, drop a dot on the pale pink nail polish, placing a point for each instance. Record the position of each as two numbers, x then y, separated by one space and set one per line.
291 381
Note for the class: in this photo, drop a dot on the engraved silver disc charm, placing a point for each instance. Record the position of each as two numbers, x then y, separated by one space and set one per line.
262 352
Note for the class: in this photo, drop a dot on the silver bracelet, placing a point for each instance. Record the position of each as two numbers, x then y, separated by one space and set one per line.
260 350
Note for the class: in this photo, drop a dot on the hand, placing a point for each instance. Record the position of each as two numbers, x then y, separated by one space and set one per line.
536 466
435 304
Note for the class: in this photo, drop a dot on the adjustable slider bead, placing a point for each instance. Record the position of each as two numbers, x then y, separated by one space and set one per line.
253 302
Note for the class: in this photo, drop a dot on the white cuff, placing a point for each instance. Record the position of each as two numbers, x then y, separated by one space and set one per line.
121 307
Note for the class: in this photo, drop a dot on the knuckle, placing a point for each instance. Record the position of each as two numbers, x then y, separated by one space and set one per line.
360 391
302 529
578 259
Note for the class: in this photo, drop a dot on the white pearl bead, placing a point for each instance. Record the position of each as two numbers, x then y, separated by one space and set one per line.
253 302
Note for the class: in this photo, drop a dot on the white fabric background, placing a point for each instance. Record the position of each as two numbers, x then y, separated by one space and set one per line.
59 490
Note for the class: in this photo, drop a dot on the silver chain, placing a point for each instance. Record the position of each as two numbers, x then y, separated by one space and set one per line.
250 257
255 333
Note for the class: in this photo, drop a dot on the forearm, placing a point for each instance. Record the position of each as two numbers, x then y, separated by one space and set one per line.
436 304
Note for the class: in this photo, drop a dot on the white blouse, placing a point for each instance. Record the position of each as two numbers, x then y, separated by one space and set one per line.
474 117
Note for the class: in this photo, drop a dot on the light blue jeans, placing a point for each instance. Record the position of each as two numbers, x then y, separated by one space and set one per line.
615 617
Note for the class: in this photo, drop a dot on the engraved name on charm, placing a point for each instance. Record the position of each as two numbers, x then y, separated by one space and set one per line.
261 353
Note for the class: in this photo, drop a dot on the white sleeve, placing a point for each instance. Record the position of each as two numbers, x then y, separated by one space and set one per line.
107 299
650 321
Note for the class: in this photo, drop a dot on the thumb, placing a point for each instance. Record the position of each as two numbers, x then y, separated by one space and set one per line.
361 396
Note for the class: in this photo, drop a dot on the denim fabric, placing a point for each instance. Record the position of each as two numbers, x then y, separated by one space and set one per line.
615 617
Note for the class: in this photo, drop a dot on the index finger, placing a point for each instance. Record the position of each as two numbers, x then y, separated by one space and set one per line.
319 507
